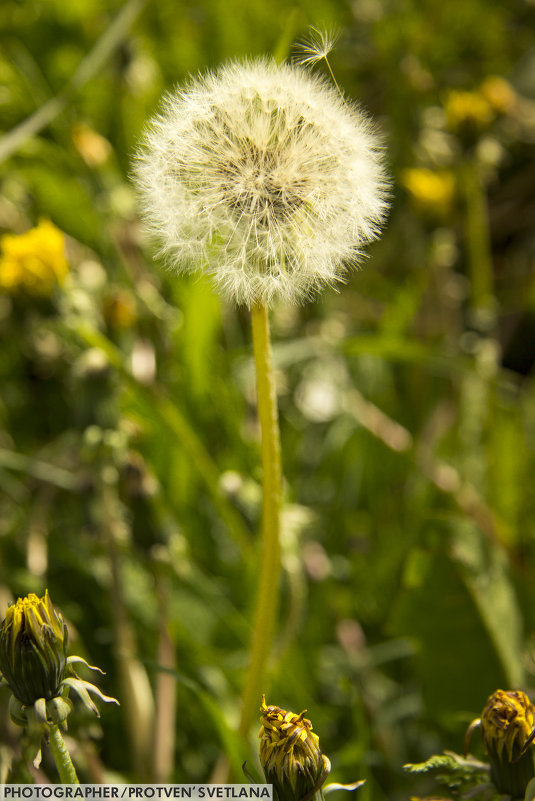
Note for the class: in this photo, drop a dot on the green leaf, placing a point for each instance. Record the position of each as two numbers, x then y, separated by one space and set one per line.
485 571
231 741
457 603
436 762
160 410
454 771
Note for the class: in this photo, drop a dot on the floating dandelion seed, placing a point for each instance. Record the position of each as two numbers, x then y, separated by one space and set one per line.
263 177
315 47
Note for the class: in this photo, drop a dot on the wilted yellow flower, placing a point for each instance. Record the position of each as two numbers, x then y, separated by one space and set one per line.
290 754
468 112
507 724
499 93
432 190
33 262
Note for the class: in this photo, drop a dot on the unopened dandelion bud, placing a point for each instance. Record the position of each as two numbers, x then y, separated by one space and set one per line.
33 643
35 666
264 177
507 725
290 754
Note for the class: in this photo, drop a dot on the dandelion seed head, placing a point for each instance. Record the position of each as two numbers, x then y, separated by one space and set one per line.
263 177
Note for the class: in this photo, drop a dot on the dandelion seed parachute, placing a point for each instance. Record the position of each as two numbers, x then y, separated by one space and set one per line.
315 47
263 177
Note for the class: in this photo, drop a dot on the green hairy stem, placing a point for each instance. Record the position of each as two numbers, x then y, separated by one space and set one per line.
268 584
62 757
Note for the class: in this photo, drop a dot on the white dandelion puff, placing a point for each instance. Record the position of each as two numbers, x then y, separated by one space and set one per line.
263 177
315 47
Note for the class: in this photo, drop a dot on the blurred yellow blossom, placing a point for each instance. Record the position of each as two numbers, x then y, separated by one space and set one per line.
499 94
33 262
431 190
120 309
93 148
468 111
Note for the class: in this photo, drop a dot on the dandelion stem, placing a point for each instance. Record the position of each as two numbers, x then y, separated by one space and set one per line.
478 242
266 604
62 758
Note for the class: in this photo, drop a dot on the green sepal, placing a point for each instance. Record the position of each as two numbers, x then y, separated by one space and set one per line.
17 711
249 776
72 660
38 711
58 709
530 791
333 786
512 777
321 780
83 688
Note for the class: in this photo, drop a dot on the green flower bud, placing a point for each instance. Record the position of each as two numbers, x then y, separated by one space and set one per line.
33 644
507 726
290 754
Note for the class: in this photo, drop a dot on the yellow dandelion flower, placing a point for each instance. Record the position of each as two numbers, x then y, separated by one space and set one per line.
499 94
93 148
431 190
468 111
33 262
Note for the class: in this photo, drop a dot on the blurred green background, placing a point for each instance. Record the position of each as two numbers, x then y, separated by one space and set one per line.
129 456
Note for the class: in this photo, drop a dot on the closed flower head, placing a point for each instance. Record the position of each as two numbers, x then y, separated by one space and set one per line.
33 643
263 177
290 754
35 666
507 722
507 726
